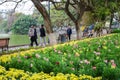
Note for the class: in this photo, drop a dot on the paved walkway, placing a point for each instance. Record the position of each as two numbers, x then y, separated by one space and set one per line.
12 48
18 47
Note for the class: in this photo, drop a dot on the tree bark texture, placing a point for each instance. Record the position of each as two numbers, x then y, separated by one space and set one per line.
77 26
52 38
44 13
47 21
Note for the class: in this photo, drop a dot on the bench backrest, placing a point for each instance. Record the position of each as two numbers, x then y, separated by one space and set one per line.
4 42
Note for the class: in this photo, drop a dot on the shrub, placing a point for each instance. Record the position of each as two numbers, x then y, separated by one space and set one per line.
111 74
100 68
116 31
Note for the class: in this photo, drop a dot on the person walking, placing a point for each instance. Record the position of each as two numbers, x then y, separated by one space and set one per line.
33 35
90 30
42 36
69 32
85 32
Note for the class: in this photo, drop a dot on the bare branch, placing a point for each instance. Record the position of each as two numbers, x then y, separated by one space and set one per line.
3 2
17 5
9 1
17 2
68 12
57 7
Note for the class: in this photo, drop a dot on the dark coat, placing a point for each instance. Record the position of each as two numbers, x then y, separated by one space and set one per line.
69 31
42 32
35 33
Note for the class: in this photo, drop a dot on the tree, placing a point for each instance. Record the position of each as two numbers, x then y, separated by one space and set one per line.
47 20
114 6
75 10
102 10
58 18
45 15
87 18
22 24
41 8
37 15
105 8
10 19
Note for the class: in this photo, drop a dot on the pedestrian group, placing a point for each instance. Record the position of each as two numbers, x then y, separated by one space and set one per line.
33 35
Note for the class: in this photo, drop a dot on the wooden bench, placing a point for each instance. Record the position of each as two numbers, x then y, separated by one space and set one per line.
4 42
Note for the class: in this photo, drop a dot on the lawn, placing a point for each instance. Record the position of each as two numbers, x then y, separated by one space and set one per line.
19 40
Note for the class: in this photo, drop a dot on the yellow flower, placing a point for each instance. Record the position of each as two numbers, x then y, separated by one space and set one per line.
104 47
77 54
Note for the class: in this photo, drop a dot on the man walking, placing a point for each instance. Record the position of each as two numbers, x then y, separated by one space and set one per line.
33 35
42 36
69 32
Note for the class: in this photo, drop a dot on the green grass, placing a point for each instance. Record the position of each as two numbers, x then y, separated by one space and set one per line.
19 40
16 39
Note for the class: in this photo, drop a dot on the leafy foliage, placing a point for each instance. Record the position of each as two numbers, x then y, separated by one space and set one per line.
3 26
98 26
116 31
111 74
22 24
101 13
59 18
37 15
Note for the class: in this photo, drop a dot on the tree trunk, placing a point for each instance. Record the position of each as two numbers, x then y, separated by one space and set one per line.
45 15
77 24
52 38
10 20
47 21
111 20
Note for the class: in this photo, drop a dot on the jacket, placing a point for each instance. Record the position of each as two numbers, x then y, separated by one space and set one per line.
42 32
31 32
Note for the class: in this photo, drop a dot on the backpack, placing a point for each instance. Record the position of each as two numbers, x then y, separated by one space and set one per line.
31 32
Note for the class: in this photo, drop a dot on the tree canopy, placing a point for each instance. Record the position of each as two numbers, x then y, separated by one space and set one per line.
76 8
22 24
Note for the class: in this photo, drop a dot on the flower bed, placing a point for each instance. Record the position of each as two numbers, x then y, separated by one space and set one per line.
14 74
93 56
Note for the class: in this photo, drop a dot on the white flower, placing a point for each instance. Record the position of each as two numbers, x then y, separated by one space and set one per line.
105 61
31 65
81 61
37 55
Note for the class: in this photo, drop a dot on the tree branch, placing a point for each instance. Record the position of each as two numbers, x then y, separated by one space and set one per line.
3 2
17 5
55 5
17 2
68 12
